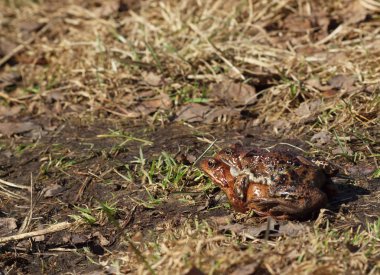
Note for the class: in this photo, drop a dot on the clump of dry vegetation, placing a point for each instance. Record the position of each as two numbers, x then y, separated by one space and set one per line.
106 106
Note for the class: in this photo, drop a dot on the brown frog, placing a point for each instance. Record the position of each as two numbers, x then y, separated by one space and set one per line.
278 184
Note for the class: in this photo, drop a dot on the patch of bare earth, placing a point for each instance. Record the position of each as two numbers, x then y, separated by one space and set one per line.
106 107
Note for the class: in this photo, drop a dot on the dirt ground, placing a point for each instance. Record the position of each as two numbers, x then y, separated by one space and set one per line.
107 106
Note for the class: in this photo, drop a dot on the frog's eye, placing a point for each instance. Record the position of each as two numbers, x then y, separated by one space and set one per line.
228 152
211 163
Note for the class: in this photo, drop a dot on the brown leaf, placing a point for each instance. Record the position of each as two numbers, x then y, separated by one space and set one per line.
345 82
10 128
330 93
52 191
247 269
321 138
271 228
280 126
152 79
308 108
6 46
224 113
195 112
102 240
234 94
29 25
192 112
344 150
10 78
297 23
149 106
363 169
7 225
316 84
9 111
354 13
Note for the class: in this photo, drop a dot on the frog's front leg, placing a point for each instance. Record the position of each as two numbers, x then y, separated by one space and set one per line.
241 186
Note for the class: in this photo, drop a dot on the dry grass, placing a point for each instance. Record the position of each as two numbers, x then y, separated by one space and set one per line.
88 59
317 251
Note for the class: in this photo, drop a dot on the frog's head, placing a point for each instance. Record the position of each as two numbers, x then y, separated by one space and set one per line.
218 171
231 155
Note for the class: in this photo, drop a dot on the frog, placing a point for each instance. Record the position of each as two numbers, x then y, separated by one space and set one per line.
280 184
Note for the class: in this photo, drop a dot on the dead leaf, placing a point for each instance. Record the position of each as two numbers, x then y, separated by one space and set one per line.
272 228
152 79
297 23
39 238
363 169
321 138
344 150
314 82
52 191
195 112
6 111
10 128
10 78
78 239
308 108
7 225
151 105
247 269
29 25
345 82
54 96
354 13
234 94
185 158
221 113
220 220
6 46
280 126
330 93
327 90
102 240
192 112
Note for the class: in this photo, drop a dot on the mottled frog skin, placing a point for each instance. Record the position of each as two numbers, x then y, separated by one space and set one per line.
279 184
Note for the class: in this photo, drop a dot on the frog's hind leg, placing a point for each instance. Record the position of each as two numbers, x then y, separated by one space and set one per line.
281 208
263 208
302 207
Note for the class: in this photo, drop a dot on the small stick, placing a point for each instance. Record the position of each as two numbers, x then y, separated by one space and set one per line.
10 184
201 156
54 228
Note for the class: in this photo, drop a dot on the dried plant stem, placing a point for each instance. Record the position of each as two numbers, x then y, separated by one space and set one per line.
53 228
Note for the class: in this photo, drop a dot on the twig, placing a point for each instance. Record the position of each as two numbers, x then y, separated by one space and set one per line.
53 228
14 185
201 156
